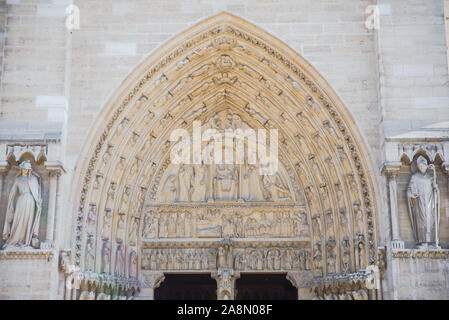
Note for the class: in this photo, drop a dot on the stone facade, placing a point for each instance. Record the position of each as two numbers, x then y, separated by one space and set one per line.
92 109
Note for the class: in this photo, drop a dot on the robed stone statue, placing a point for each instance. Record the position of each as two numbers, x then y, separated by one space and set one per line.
423 204
23 210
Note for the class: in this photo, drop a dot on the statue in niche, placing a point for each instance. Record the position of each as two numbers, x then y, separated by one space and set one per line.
92 215
133 265
90 253
346 257
331 257
105 256
316 222
423 203
132 236
273 260
120 260
224 256
106 227
275 188
240 261
23 210
317 260
360 256
358 217
199 183
225 179
185 177
252 184
120 227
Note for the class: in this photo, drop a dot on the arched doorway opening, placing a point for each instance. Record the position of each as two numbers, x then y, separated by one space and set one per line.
265 287
187 287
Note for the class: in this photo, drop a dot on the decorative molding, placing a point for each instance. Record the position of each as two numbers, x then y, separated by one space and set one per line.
152 279
420 253
396 152
28 254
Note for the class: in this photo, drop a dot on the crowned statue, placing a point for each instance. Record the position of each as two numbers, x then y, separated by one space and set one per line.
423 203
23 210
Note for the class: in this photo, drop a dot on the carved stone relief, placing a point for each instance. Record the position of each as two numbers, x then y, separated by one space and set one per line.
288 222
229 89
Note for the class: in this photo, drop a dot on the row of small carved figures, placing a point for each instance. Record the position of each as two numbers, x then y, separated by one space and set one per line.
207 259
231 226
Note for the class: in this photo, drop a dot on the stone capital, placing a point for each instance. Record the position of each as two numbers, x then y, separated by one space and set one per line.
54 168
299 280
391 169
152 279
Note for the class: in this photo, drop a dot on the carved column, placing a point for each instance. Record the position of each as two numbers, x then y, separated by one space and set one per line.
150 281
302 281
3 169
54 171
226 283
445 168
391 172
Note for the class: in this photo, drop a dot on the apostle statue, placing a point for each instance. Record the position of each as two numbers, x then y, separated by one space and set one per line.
252 189
423 204
23 210
199 183
185 176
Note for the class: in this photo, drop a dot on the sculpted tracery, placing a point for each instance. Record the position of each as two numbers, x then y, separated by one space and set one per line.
138 211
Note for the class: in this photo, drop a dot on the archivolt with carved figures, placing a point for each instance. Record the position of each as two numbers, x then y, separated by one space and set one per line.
318 211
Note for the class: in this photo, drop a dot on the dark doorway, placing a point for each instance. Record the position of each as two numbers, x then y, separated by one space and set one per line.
265 287
187 287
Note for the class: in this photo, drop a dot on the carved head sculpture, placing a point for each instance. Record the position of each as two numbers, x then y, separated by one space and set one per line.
422 164
25 167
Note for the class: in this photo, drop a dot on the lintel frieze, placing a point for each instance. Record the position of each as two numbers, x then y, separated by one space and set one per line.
215 243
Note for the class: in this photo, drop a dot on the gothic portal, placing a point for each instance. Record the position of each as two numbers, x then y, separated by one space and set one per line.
141 217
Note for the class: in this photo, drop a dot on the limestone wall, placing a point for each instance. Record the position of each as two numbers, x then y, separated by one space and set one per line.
30 275
413 64
422 278
54 81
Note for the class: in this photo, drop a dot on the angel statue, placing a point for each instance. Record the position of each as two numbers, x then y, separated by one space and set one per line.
423 199
23 210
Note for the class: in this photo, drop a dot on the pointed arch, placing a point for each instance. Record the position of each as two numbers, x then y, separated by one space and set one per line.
226 63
